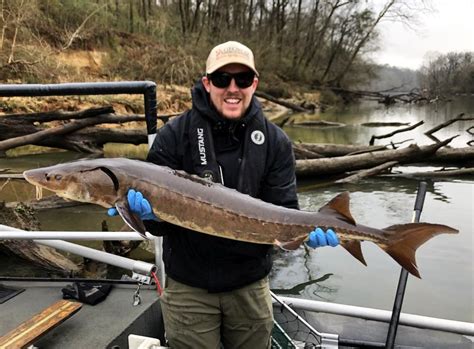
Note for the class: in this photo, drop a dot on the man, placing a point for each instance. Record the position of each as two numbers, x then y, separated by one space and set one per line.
217 289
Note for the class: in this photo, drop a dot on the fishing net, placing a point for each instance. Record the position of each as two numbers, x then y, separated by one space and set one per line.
290 330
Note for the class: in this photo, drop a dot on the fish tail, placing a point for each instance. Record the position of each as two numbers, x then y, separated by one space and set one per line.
404 239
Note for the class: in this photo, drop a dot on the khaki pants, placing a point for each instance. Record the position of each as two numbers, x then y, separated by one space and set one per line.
195 318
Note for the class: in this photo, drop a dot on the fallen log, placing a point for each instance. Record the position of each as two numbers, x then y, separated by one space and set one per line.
92 139
367 173
57 115
469 171
331 150
302 153
61 130
388 135
23 217
383 97
430 132
316 123
451 155
384 124
88 140
335 165
286 104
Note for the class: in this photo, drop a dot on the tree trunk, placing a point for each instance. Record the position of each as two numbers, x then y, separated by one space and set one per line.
336 165
23 217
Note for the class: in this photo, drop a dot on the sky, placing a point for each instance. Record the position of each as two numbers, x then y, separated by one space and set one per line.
450 27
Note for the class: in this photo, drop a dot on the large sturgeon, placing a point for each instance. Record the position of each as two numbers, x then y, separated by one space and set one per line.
211 208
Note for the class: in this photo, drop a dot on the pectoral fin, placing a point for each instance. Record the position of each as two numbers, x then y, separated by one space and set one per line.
353 247
132 220
290 245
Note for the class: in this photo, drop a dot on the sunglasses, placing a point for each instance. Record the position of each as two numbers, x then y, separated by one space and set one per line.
222 79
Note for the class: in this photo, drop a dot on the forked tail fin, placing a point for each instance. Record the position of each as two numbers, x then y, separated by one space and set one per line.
404 239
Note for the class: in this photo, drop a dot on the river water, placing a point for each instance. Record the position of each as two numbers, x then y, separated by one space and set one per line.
446 262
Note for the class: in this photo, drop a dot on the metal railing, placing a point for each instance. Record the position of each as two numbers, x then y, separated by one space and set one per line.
139 268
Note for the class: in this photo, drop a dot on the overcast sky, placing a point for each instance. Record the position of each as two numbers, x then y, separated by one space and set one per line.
449 28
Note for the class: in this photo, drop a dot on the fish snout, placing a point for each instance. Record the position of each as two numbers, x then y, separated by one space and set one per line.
38 177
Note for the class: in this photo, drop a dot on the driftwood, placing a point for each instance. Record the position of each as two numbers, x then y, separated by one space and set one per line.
384 97
469 171
301 152
61 130
23 217
77 135
57 115
452 155
21 129
384 124
316 123
286 104
373 138
430 132
331 166
331 150
367 173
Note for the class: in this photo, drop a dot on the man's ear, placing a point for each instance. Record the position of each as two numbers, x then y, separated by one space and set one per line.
206 83
255 82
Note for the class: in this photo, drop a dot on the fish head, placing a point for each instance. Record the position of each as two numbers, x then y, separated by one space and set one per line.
78 181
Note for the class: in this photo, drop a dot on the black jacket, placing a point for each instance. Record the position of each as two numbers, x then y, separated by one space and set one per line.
251 155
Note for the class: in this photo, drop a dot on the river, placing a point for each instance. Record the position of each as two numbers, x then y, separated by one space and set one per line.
446 262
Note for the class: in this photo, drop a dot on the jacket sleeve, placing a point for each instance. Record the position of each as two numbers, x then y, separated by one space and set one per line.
279 183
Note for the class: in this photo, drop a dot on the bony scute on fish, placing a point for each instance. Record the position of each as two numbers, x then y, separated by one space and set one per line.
213 209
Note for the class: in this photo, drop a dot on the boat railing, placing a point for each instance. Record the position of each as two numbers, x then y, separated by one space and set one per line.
419 321
142 271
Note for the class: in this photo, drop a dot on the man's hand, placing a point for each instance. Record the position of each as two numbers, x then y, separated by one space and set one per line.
138 205
319 238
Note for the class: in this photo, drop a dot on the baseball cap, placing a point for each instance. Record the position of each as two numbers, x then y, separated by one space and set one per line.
227 53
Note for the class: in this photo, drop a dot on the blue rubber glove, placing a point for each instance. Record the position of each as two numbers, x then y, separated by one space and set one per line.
138 204
319 238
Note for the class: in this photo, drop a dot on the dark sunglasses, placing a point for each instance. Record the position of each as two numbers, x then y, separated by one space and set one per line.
222 79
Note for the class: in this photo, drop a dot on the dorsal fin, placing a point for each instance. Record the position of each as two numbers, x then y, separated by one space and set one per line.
339 205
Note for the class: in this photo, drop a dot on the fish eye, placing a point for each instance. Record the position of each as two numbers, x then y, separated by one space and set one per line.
58 177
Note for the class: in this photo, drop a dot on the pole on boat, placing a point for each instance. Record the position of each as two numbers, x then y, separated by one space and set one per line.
402 282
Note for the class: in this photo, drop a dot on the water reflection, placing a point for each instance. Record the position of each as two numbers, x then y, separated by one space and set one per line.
296 290
354 116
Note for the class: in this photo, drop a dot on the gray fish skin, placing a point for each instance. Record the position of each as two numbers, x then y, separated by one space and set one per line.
211 208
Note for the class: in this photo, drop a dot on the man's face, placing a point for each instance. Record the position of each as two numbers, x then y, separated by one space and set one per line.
231 101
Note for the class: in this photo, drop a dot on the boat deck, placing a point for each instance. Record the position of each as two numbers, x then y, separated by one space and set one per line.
104 325
108 324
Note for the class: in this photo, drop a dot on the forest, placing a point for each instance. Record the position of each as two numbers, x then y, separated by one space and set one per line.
308 45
